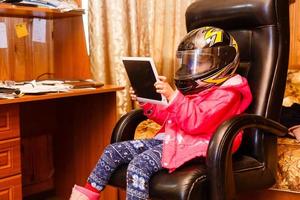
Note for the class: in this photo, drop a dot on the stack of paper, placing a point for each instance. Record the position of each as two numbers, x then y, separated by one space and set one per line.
34 87
62 5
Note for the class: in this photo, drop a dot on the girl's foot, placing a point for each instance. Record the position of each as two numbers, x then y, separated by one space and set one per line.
295 132
81 193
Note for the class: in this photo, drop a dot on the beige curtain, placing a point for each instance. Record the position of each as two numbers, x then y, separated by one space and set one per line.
133 28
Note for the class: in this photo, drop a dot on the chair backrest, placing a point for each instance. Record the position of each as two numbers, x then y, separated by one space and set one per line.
261 28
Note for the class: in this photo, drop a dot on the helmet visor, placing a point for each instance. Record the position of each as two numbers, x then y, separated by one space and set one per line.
194 63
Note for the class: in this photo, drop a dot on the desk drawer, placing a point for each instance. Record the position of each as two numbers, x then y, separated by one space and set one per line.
11 188
10 157
9 121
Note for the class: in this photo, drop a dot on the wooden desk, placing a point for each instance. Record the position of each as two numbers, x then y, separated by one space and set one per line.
53 141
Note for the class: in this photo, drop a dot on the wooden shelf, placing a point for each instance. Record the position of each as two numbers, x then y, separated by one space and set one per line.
8 10
71 93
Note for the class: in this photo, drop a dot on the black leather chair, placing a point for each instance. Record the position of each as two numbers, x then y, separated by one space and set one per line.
261 28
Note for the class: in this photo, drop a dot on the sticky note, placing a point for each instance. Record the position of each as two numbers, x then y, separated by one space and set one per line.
21 30
3 35
39 30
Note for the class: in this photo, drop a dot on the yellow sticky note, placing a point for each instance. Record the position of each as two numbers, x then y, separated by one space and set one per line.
21 30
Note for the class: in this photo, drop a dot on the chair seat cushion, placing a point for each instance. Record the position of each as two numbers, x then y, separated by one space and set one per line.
187 181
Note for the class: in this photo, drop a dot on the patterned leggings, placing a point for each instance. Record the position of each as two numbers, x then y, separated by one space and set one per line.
144 158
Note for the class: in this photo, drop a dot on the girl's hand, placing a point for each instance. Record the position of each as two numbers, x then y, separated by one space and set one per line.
164 88
132 94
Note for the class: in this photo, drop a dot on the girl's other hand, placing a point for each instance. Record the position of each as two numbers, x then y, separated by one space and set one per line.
164 88
132 94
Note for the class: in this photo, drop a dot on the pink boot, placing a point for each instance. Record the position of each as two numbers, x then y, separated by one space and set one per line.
81 193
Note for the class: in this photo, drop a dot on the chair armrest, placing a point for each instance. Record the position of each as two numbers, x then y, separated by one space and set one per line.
126 125
219 153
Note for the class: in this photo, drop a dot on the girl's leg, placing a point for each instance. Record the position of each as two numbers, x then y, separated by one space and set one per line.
139 172
115 155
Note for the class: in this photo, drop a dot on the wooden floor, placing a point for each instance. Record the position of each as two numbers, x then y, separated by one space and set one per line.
270 194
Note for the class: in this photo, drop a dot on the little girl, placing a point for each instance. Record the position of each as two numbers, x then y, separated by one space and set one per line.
208 93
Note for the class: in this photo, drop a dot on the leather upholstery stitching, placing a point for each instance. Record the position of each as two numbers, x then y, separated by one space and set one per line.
194 183
201 178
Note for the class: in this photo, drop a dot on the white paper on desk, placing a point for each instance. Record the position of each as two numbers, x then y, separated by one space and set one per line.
39 30
37 88
3 35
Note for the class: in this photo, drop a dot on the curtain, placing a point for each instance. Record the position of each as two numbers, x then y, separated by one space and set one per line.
133 28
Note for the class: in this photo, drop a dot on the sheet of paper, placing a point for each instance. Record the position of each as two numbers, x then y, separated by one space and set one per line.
3 35
21 30
34 87
39 30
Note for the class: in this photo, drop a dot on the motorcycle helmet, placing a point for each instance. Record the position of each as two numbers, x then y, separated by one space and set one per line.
206 56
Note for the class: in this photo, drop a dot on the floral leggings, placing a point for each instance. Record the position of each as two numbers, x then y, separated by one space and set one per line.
144 158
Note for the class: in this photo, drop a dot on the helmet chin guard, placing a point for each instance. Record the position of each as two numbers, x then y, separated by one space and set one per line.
205 57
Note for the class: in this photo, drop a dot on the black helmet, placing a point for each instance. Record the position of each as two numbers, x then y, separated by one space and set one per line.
206 57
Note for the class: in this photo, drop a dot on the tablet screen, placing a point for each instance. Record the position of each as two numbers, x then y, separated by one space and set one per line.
142 77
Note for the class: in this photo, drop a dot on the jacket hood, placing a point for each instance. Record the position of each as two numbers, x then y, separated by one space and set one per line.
241 84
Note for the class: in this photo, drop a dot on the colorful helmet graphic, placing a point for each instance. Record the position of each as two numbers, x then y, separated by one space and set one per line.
206 57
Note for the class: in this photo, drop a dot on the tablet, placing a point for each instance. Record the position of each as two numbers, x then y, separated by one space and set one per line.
142 75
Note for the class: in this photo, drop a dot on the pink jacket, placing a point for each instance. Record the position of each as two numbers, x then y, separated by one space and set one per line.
189 121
